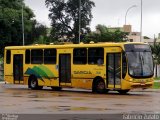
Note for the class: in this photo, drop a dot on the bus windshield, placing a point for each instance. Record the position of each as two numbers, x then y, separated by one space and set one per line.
140 62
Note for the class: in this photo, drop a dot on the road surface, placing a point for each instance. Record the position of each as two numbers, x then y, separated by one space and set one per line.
17 99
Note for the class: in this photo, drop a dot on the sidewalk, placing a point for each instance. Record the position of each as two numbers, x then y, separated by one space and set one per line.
1 82
146 90
156 80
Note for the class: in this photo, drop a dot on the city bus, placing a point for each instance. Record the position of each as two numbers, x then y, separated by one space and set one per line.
100 67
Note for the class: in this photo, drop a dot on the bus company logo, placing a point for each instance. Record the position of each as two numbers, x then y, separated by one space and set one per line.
40 72
82 72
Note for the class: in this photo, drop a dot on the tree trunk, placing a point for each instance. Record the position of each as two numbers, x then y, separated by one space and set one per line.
75 40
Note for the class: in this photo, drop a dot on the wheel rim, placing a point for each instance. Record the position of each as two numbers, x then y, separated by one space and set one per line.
100 86
33 83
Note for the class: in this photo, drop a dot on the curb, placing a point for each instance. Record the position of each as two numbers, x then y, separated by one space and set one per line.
146 90
1 82
156 80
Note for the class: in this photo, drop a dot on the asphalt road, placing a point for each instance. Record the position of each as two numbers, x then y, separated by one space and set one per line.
17 99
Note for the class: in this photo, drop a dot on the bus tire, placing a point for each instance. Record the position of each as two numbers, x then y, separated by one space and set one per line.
33 83
98 86
123 92
56 88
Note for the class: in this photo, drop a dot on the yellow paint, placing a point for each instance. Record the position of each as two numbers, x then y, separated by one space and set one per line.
62 84
87 72
110 86
117 86
26 80
82 83
55 82
130 85
9 79
68 84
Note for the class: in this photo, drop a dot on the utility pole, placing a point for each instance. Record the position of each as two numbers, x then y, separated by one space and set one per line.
22 25
141 21
79 21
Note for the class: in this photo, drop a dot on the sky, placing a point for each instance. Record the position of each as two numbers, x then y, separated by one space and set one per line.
111 13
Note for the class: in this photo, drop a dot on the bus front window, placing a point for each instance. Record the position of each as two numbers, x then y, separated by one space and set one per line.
140 63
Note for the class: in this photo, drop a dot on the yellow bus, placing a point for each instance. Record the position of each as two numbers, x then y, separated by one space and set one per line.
99 67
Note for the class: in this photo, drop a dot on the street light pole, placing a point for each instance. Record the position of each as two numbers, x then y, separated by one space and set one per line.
79 21
128 11
141 22
22 25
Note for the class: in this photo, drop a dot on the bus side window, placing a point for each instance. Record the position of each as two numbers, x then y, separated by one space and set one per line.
80 56
95 56
27 57
8 57
50 56
37 56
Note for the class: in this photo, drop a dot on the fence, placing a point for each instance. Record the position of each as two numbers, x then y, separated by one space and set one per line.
1 71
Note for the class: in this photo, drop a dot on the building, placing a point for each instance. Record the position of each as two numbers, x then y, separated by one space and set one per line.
132 36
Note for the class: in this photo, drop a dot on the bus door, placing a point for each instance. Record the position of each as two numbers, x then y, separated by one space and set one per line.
18 68
113 70
64 69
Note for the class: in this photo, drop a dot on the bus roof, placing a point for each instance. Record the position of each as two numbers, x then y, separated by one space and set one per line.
39 46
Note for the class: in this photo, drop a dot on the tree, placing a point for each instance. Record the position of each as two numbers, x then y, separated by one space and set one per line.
39 33
146 37
11 22
104 34
156 55
64 15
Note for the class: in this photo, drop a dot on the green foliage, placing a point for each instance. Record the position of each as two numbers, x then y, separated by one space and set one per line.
156 55
64 15
103 34
156 52
156 85
157 78
1 59
39 33
11 22
146 37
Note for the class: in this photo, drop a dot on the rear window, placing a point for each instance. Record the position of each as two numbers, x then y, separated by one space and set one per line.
8 57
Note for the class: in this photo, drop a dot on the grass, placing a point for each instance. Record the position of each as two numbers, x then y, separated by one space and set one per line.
157 78
1 59
156 85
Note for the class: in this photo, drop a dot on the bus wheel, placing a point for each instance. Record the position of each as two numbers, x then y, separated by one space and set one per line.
123 92
33 83
56 88
99 86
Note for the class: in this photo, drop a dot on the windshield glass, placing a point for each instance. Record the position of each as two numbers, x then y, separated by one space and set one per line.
140 61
